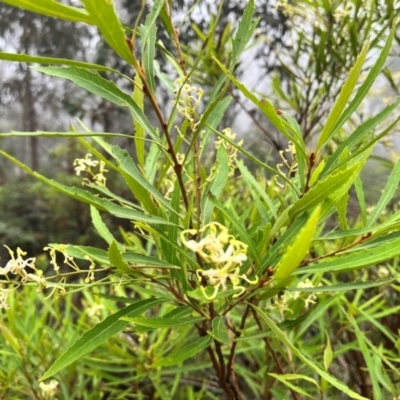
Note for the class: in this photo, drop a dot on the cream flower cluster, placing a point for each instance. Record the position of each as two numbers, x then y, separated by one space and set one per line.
223 253
189 98
86 164
287 297
16 266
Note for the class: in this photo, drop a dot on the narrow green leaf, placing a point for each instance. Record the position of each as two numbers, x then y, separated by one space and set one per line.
288 237
345 93
65 134
323 189
388 192
328 353
80 252
343 287
99 334
148 58
216 186
316 173
284 339
316 315
334 198
104 88
138 98
163 322
89 198
244 33
137 259
152 157
371 365
356 260
143 188
169 251
100 226
249 179
104 16
296 252
286 378
213 119
287 324
361 200
219 330
370 79
184 353
360 133
115 257
103 204
342 211
53 61
52 8
148 35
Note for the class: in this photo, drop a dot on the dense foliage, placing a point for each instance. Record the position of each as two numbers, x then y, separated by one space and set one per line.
220 274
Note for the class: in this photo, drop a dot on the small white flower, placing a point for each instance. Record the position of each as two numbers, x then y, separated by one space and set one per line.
16 265
84 164
49 389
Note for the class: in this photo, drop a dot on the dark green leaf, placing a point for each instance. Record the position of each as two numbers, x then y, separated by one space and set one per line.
99 334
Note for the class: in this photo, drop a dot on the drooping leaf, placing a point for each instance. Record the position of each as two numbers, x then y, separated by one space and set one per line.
52 8
89 198
104 88
103 15
53 61
99 334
